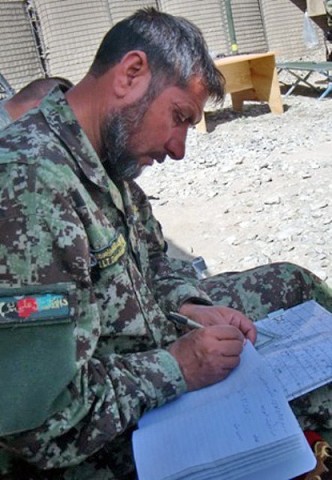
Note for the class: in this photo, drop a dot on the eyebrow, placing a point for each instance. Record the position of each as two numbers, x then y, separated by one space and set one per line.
192 119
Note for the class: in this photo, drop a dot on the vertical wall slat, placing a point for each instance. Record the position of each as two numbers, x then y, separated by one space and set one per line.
123 8
283 21
71 32
19 59
208 16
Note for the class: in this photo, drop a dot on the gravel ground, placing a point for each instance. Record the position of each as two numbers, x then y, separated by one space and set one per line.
255 189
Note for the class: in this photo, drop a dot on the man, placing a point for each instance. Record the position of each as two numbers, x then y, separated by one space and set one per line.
328 32
29 97
328 8
85 279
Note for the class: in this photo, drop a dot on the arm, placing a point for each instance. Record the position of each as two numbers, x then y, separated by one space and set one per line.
108 386
109 392
175 284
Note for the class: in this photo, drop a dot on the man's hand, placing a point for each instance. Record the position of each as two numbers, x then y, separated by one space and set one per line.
219 315
207 355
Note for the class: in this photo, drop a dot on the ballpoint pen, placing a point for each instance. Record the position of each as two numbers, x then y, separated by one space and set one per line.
182 320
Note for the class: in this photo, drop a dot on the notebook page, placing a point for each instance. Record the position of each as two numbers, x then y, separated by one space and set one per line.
253 413
297 344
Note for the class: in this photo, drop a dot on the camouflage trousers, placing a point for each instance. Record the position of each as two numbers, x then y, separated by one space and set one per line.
256 293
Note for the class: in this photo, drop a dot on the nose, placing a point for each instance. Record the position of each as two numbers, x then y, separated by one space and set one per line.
176 145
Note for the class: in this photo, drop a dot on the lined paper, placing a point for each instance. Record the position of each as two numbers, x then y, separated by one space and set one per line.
297 345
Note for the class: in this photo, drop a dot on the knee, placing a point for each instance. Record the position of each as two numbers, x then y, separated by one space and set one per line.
293 270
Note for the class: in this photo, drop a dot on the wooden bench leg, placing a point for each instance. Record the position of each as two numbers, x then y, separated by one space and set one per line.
201 126
266 84
239 97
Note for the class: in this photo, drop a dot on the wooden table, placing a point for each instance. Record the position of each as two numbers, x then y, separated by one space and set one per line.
250 77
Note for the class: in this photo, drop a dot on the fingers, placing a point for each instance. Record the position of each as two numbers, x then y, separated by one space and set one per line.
244 324
207 355
220 315
239 320
250 333
223 332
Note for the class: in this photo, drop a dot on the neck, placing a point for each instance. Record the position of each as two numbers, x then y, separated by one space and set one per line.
84 100
16 109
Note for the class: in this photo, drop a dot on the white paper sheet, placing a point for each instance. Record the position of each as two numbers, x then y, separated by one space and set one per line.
297 345
240 428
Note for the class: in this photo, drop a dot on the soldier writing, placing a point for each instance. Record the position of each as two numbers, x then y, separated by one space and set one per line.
80 242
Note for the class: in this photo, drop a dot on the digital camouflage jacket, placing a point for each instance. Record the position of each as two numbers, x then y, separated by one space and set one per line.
4 115
85 284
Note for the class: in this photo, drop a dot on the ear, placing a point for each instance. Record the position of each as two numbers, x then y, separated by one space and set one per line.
132 75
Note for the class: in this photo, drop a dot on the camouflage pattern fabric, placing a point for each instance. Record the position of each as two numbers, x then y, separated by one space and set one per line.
328 7
84 230
4 116
328 32
262 290
64 221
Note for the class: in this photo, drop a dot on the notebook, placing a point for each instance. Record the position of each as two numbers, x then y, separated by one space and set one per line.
239 428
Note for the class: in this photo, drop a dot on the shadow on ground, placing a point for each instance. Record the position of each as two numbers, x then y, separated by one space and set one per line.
303 91
225 115
255 109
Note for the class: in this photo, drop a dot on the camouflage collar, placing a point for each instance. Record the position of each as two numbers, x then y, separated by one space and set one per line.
65 126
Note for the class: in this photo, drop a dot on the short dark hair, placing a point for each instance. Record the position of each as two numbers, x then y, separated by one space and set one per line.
175 48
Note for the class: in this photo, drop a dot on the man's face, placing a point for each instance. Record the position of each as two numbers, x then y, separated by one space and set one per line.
151 130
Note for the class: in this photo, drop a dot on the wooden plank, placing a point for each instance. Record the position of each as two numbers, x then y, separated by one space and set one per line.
237 76
250 77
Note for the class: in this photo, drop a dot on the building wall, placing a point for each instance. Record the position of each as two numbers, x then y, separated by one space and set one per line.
120 9
248 25
69 31
283 21
207 15
19 59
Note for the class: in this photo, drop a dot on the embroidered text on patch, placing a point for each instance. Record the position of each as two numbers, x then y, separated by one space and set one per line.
24 308
111 254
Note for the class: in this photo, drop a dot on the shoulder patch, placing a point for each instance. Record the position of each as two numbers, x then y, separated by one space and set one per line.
32 308
111 253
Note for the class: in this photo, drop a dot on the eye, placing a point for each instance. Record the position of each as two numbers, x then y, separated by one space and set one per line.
179 118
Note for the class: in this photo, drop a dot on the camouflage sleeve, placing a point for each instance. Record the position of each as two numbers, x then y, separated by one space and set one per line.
173 281
328 7
44 243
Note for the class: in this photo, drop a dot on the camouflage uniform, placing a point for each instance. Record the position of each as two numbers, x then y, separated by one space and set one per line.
4 115
97 256
65 223
328 31
328 8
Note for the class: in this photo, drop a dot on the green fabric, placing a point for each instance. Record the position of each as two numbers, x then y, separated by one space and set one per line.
37 361
302 65
66 221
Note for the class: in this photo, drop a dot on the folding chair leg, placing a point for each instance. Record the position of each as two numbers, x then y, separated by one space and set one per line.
299 79
326 92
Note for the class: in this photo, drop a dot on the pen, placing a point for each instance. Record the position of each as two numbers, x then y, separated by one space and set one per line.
183 321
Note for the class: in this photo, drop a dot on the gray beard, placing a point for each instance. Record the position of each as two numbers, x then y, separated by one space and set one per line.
119 162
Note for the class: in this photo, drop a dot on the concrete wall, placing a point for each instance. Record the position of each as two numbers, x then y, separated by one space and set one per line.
60 37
